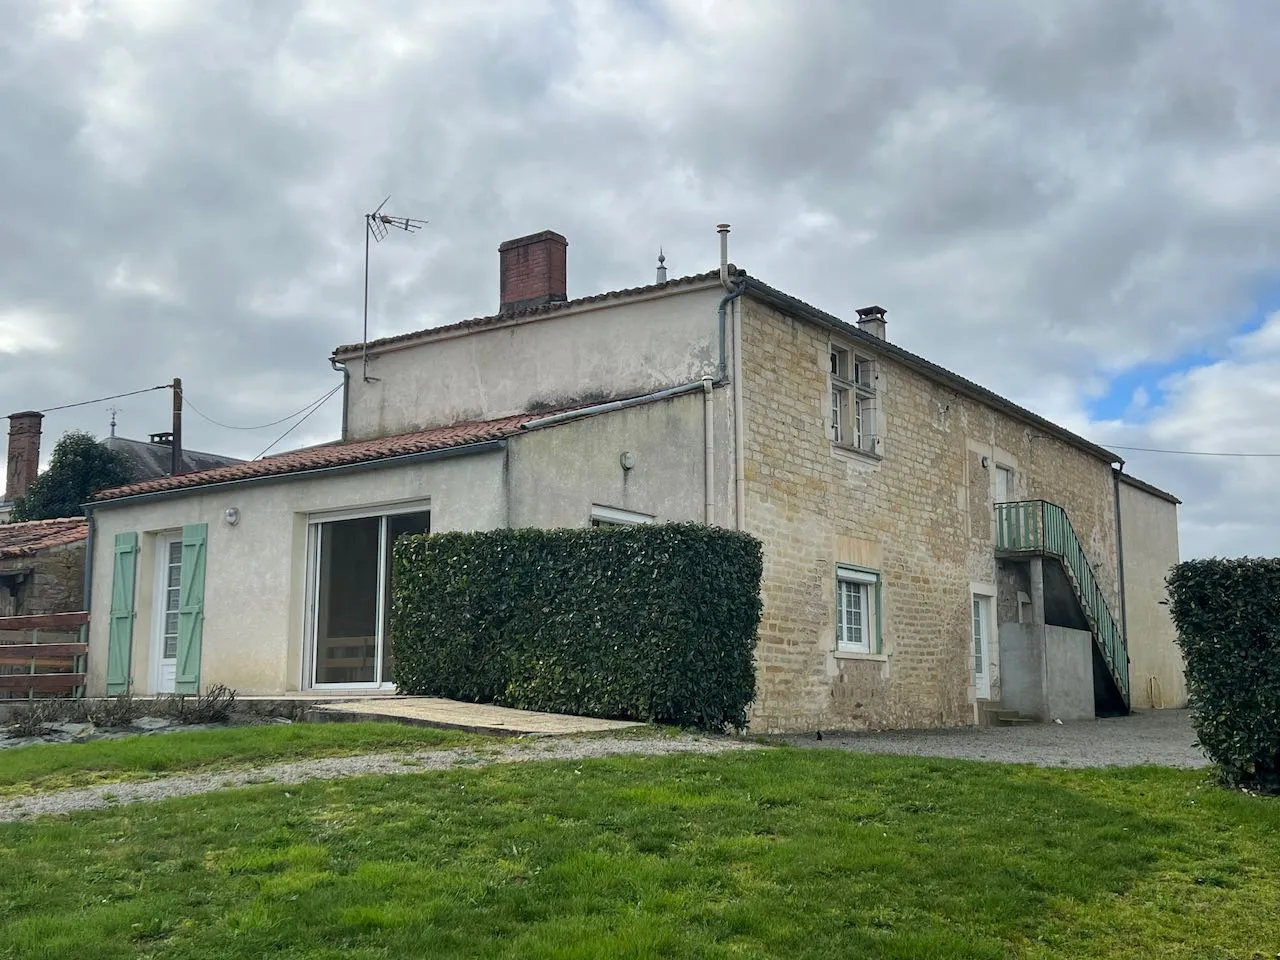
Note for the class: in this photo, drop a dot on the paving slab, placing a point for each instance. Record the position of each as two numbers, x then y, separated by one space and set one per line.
458 715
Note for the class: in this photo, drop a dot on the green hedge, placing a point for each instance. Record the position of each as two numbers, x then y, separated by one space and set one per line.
654 623
1227 613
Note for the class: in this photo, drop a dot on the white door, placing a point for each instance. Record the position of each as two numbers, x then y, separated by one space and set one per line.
1004 485
981 647
168 586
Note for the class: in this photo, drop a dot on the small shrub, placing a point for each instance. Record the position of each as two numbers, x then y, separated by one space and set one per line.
119 711
35 719
654 623
76 710
1227 613
212 706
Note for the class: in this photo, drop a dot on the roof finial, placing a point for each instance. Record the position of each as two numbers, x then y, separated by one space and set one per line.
114 411
662 267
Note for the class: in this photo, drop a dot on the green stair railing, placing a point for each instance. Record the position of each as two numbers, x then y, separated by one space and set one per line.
1037 526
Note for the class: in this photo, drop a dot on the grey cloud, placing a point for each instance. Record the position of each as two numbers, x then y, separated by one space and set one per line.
1040 193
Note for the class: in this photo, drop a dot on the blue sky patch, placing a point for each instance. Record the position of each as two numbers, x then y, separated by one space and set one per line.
1133 394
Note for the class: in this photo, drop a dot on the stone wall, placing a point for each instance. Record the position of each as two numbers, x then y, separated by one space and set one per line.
53 582
920 513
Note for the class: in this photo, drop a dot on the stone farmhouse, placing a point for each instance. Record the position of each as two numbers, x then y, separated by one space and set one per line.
934 553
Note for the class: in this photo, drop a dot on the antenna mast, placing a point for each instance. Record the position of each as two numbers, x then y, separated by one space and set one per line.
376 225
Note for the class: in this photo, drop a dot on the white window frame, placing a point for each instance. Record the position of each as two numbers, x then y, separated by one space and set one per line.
312 597
853 400
867 585
164 542
602 516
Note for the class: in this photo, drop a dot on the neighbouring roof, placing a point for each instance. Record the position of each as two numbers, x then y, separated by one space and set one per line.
150 460
498 319
1142 485
334 455
28 539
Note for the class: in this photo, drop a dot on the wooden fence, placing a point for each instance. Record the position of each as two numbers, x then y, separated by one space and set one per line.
44 668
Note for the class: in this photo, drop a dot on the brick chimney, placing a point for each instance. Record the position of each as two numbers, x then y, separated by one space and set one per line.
871 320
24 452
533 271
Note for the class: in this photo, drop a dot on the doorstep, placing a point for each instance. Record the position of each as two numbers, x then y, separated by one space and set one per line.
459 715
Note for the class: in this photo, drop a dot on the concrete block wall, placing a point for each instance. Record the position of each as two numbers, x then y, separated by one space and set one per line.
922 512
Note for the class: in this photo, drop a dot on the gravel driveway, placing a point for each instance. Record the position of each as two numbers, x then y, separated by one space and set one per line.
1160 737
334 768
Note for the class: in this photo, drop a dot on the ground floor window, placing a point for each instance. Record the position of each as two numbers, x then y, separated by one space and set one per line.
613 517
857 610
351 602
168 597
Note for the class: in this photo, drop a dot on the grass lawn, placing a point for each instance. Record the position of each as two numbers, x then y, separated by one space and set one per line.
778 853
58 765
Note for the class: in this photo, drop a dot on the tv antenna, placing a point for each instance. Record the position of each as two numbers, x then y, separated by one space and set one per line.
377 225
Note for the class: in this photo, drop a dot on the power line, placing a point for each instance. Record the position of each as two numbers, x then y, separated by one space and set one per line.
262 426
1191 453
319 403
85 403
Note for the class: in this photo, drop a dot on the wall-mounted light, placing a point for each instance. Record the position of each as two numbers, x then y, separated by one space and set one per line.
628 460
985 463
231 515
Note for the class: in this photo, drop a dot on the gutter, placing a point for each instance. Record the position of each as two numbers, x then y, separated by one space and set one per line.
611 406
1124 615
708 451
404 459
339 365
87 592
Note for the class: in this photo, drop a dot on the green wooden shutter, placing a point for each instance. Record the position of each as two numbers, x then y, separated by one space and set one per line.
120 637
191 607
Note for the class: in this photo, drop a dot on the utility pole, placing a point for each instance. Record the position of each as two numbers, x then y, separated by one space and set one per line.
176 448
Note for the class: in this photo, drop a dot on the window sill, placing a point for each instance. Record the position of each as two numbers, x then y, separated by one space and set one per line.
841 449
859 655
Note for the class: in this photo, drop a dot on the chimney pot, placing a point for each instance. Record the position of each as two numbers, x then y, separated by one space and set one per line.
24 452
871 320
533 271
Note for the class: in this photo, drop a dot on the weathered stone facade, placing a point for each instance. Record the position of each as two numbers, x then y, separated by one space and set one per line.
919 513
41 570
52 581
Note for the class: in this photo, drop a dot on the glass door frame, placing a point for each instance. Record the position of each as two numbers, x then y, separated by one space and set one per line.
315 525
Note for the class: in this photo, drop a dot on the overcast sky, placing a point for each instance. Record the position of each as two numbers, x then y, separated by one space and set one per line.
1074 202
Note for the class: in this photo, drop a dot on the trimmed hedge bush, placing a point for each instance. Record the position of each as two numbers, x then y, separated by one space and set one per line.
654 623
1227 613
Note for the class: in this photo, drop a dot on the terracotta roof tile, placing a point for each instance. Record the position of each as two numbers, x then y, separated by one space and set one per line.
335 455
499 318
28 539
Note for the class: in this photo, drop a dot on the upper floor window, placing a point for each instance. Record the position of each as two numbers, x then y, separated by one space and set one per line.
853 400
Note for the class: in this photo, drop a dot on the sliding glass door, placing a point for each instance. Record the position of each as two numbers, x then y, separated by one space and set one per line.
351 601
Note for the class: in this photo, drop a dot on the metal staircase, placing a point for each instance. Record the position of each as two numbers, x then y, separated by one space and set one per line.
1040 528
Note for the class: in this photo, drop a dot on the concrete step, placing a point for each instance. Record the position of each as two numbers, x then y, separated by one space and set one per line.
994 716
